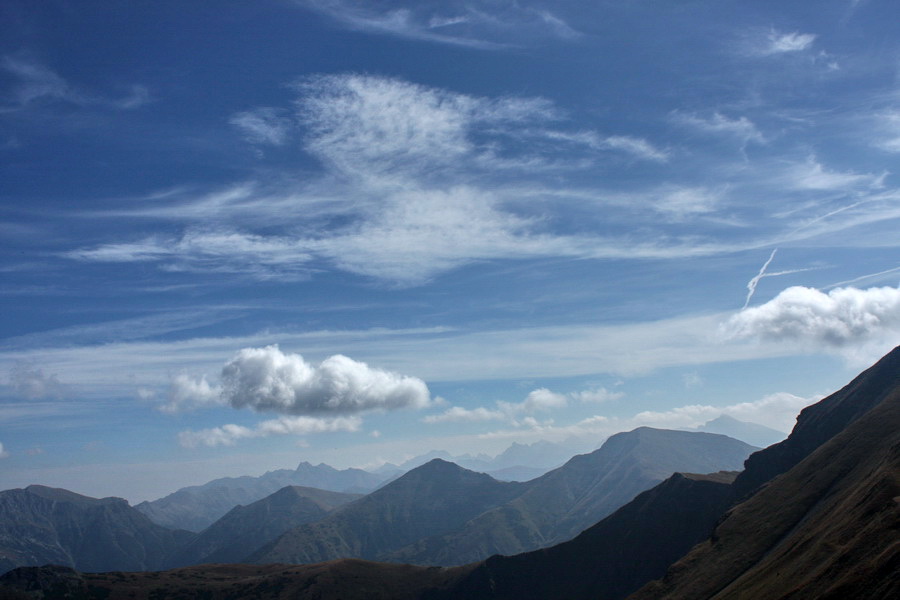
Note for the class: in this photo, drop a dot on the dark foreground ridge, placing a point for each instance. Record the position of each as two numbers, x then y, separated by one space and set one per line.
824 525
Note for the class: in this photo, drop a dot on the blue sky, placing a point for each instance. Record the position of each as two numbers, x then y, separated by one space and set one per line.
241 235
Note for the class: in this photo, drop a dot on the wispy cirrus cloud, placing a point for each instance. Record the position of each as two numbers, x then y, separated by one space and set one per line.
263 125
779 42
741 128
35 83
417 181
480 25
813 175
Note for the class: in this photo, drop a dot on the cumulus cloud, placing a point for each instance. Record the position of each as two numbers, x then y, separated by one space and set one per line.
543 399
310 399
30 382
263 125
269 380
186 392
3 452
228 435
839 318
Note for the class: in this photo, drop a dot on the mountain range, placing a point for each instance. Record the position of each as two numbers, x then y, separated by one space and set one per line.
813 517
195 508
442 514
245 528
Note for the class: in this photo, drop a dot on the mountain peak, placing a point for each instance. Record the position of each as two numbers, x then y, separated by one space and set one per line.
821 421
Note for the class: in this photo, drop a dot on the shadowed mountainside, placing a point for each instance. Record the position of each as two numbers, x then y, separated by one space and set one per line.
828 528
340 579
41 525
615 556
521 517
565 501
429 500
246 528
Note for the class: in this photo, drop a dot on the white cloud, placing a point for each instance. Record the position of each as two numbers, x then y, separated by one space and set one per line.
482 25
458 414
779 42
520 414
268 380
812 175
36 83
30 382
741 128
543 399
636 146
208 250
840 318
754 281
263 125
228 435
888 131
3 452
597 396
366 125
778 411
188 393
682 202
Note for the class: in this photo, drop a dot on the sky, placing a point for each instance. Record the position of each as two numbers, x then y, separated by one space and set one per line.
241 235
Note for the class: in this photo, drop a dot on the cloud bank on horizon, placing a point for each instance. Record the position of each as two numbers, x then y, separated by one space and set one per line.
388 223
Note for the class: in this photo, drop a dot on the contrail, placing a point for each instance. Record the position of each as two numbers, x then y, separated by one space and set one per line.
751 285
